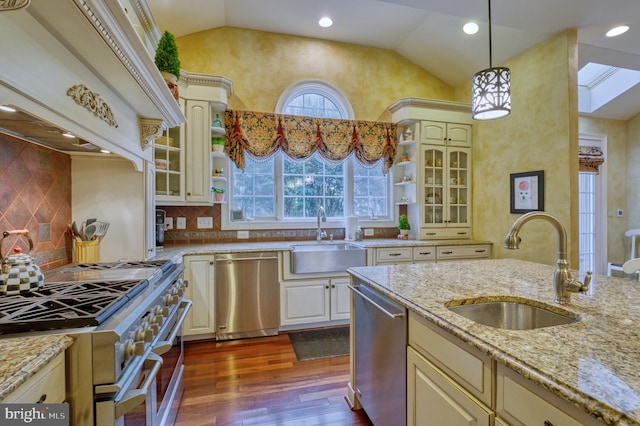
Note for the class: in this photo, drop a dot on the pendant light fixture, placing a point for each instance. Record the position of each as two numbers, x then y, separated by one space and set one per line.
491 89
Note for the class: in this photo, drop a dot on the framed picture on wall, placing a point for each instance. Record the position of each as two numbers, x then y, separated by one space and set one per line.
527 192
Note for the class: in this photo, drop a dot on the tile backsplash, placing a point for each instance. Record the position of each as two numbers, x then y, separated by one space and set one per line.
35 194
192 235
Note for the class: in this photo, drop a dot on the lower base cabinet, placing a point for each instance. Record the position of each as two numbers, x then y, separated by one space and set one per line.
198 270
434 399
47 386
314 300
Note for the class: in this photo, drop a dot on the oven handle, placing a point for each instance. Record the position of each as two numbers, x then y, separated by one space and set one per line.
135 397
165 346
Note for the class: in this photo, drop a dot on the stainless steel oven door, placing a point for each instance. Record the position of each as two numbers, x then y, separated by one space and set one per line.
152 397
168 385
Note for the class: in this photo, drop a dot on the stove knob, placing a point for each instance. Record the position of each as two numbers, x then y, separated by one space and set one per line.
171 300
144 333
157 320
154 329
160 310
132 349
178 291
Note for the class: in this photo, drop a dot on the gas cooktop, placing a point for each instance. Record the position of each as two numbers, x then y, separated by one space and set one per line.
78 296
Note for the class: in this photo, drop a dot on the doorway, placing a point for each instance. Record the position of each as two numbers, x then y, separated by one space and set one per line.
592 210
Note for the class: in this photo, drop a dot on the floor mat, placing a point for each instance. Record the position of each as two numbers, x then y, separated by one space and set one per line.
320 343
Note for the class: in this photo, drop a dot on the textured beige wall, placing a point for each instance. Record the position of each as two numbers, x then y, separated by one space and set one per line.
616 133
539 134
262 65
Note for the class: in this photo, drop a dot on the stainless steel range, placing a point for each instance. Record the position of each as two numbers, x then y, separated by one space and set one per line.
126 363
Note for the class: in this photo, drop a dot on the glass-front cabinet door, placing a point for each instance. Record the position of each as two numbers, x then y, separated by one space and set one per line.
168 161
446 187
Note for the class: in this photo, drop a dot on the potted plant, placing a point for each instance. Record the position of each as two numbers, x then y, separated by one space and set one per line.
403 225
217 144
167 61
218 193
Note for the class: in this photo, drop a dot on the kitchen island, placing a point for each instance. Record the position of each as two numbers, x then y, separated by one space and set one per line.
591 365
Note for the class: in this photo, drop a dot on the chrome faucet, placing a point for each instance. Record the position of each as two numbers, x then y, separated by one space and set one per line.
319 232
563 282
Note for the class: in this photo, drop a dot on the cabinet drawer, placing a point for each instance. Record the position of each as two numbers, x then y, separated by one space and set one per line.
468 367
46 386
424 253
439 234
464 252
520 404
393 254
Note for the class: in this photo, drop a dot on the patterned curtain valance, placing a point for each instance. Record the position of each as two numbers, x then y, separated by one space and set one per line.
263 134
590 158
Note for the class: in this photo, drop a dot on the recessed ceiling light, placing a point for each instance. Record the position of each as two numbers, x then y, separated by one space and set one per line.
104 151
325 22
68 135
616 31
7 108
470 28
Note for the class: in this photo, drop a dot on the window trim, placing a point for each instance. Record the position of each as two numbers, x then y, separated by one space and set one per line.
316 87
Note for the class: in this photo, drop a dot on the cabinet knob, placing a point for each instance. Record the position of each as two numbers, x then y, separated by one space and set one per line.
327 286
547 423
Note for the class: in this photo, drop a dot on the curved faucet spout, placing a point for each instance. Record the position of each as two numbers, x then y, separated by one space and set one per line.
321 216
563 282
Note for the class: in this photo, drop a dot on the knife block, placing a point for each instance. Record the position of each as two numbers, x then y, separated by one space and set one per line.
86 251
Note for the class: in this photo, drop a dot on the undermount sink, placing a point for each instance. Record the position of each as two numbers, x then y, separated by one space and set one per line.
326 257
510 314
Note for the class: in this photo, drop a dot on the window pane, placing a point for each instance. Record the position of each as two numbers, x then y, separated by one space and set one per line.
370 190
253 189
311 184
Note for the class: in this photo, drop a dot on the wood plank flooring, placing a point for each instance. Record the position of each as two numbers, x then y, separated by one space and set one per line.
260 382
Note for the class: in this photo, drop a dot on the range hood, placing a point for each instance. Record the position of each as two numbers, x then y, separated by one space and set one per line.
30 128
81 66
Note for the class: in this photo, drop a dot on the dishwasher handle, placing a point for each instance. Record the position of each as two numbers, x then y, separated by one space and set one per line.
368 299
245 259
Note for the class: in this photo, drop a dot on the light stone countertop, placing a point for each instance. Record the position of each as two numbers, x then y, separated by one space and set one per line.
593 364
172 251
22 357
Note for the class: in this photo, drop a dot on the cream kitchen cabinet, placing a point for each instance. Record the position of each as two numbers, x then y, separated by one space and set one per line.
431 253
47 386
314 300
444 193
449 134
183 156
434 399
199 272
520 402
443 173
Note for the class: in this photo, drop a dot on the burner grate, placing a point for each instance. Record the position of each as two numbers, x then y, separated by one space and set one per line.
64 305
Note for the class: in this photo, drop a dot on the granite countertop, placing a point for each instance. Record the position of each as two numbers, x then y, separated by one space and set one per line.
22 357
592 364
172 251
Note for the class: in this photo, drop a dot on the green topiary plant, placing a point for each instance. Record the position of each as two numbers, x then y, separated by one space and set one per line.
166 58
403 222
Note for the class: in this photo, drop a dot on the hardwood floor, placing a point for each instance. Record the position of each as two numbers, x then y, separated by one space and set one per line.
260 382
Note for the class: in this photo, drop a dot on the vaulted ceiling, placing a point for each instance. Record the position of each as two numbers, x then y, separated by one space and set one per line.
429 32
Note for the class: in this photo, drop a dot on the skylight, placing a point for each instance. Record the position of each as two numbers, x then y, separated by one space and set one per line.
598 84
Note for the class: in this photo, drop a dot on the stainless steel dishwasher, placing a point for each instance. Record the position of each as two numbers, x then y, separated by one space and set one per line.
247 295
380 356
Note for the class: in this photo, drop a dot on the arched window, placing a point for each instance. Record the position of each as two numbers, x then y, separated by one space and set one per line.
280 189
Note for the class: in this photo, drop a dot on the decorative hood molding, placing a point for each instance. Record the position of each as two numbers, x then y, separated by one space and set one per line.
54 45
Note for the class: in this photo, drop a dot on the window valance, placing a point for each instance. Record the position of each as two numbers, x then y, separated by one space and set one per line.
590 158
263 134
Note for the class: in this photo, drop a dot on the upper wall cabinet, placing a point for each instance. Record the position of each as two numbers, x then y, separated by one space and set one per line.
437 187
81 66
186 167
